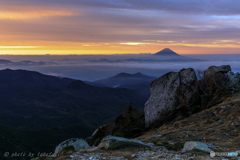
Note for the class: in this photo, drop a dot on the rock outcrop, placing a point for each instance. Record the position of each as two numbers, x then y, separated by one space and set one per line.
171 93
191 145
113 142
223 77
77 144
177 93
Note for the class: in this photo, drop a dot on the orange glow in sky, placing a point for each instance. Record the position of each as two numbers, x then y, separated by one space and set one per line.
101 27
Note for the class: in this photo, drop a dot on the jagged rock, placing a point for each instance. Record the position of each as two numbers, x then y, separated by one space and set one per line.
90 140
155 153
100 133
171 93
177 93
191 145
112 142
223 77
156 136
77 144
151 144
214 70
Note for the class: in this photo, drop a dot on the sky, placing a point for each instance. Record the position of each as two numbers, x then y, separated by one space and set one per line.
40 27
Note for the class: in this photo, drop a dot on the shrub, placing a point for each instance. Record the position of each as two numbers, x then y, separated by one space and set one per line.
101 133
211 88
129 124
176 147
66 151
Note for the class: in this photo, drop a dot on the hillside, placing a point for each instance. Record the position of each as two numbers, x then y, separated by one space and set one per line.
35 141
32 100
185 118
218 125
137 82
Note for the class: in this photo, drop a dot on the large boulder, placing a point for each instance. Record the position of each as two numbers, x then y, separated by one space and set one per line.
113 142
76 143
222 77
212 70
171 94
177 93
191 145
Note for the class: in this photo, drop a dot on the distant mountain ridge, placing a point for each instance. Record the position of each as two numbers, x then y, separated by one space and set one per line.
137 82
123 78
128 75
166 52
31 100
26 78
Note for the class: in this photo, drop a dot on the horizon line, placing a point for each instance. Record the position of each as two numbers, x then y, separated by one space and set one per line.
111 54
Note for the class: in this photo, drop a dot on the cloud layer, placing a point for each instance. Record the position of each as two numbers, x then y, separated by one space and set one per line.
120 26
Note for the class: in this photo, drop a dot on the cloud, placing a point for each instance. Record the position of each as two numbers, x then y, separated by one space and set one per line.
34 14
219 7
19 47
83 68
134 43
119 25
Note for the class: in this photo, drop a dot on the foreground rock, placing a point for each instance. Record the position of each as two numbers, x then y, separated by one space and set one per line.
76 143
191 145
113 142
223 77
155 153
177 93
171 93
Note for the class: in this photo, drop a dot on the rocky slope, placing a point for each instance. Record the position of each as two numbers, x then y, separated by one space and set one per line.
176 94
167 94
193 134
217 127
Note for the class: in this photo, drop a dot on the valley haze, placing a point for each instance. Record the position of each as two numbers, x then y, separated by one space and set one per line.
95 67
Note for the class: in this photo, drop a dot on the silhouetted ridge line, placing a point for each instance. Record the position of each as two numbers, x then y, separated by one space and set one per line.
166 52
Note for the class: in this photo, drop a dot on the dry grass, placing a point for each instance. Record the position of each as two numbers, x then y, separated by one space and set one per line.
125 154
89 150
204 126
61 158
218 125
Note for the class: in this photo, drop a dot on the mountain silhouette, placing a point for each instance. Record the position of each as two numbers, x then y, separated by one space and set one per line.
135 75
166 52
137 82
31 100
125 79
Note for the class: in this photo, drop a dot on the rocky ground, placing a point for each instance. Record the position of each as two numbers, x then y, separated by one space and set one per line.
218 125
155 153
215 128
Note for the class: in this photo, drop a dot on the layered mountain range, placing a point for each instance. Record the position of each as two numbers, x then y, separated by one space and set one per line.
137 82
32 100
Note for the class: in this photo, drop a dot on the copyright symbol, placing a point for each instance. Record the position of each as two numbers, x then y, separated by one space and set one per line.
212 154
6 154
